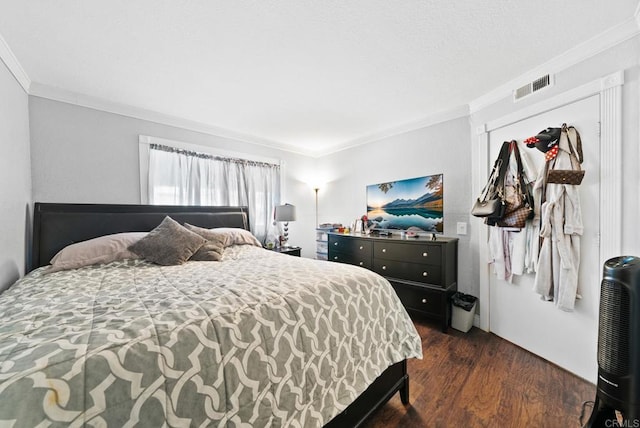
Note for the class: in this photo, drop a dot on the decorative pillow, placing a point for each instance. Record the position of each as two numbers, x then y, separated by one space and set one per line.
239 236
233 235
104 249
168 244
211 251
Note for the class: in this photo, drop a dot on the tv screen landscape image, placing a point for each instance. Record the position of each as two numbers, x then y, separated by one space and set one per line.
413 204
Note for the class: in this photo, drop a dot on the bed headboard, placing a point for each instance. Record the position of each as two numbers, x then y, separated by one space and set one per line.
57 225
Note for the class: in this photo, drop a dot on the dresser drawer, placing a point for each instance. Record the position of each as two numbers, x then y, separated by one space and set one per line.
429 274
421 298
349 258
346 244
408 252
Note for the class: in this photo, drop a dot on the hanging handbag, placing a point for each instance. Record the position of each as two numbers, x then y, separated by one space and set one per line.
491 204
493 207
576 173
517 218
519 205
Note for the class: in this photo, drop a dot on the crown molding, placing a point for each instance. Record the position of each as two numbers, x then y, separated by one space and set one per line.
13 65
575 55
443 116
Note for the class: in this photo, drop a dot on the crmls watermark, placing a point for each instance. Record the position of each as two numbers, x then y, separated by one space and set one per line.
614 423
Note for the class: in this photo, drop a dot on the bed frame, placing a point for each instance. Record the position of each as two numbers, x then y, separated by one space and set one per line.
58 225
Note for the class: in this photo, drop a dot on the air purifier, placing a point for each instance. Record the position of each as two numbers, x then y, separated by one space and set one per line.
618 387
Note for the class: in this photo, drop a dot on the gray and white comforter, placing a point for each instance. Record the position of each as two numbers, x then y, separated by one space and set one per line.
258 339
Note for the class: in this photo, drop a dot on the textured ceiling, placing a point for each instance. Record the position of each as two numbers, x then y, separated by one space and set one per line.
306 75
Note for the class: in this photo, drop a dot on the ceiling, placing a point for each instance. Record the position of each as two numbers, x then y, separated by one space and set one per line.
309 76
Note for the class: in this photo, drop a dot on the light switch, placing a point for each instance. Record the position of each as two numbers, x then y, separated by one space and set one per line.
462 228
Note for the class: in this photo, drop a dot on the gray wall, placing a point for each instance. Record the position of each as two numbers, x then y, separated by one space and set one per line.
82 155
441 148
85 155
15 178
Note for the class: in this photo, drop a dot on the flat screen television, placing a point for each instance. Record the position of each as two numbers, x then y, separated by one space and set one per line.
414 204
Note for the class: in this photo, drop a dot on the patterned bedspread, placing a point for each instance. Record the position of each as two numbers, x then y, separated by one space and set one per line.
258 339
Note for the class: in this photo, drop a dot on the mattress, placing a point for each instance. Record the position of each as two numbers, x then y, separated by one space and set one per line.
256 339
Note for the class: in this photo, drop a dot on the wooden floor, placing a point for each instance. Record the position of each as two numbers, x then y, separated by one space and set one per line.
480 380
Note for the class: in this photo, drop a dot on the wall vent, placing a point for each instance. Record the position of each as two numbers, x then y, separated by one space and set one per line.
532 87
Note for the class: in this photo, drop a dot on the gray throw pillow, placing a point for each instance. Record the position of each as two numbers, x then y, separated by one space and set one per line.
168 244
211 251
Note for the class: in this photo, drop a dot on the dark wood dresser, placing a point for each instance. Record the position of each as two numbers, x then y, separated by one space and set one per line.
423 272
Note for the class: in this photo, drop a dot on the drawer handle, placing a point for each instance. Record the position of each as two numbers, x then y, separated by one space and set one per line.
335 257
361 263
335 243
424 274
424 300
425 254
361 247
384 268
384 250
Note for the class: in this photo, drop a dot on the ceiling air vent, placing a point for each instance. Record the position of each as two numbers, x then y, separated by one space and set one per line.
532 87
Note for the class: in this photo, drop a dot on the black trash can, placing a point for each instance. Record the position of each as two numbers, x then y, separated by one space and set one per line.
463 310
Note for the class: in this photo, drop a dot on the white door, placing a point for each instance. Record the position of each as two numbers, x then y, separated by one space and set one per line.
516 313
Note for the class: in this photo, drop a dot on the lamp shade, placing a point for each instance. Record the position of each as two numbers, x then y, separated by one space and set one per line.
286 212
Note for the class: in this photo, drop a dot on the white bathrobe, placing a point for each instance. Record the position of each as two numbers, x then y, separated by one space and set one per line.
561 229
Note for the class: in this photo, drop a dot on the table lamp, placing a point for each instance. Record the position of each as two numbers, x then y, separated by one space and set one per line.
285 213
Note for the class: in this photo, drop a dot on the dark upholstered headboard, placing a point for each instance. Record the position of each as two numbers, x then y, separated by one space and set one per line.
57 225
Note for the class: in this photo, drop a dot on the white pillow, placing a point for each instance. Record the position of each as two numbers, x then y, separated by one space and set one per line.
104 249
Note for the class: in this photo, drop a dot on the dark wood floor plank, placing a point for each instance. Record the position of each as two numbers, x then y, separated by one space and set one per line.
477 379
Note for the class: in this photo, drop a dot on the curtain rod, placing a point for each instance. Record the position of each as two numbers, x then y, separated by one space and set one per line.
162 147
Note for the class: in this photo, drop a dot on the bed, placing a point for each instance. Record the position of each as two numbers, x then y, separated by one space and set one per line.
255 339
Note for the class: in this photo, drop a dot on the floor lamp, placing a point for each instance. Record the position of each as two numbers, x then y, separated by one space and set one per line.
316 190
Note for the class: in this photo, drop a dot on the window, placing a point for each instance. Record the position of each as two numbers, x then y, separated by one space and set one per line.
179 176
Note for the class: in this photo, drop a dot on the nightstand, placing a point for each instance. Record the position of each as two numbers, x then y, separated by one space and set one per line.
292 251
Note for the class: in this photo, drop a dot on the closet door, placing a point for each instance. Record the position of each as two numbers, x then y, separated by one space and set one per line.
517 313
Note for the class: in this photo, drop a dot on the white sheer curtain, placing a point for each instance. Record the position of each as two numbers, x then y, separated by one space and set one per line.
182 177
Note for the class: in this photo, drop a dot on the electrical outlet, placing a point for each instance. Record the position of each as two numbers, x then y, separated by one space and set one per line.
462 228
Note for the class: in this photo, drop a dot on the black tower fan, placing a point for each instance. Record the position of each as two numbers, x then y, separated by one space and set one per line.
618 345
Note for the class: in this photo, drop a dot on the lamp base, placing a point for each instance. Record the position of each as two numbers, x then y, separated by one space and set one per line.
284 241
284 238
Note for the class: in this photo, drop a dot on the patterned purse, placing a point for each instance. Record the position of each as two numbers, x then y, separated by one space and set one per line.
565 176
575 175
517 218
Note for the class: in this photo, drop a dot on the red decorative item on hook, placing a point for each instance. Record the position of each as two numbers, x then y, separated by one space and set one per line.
545 140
